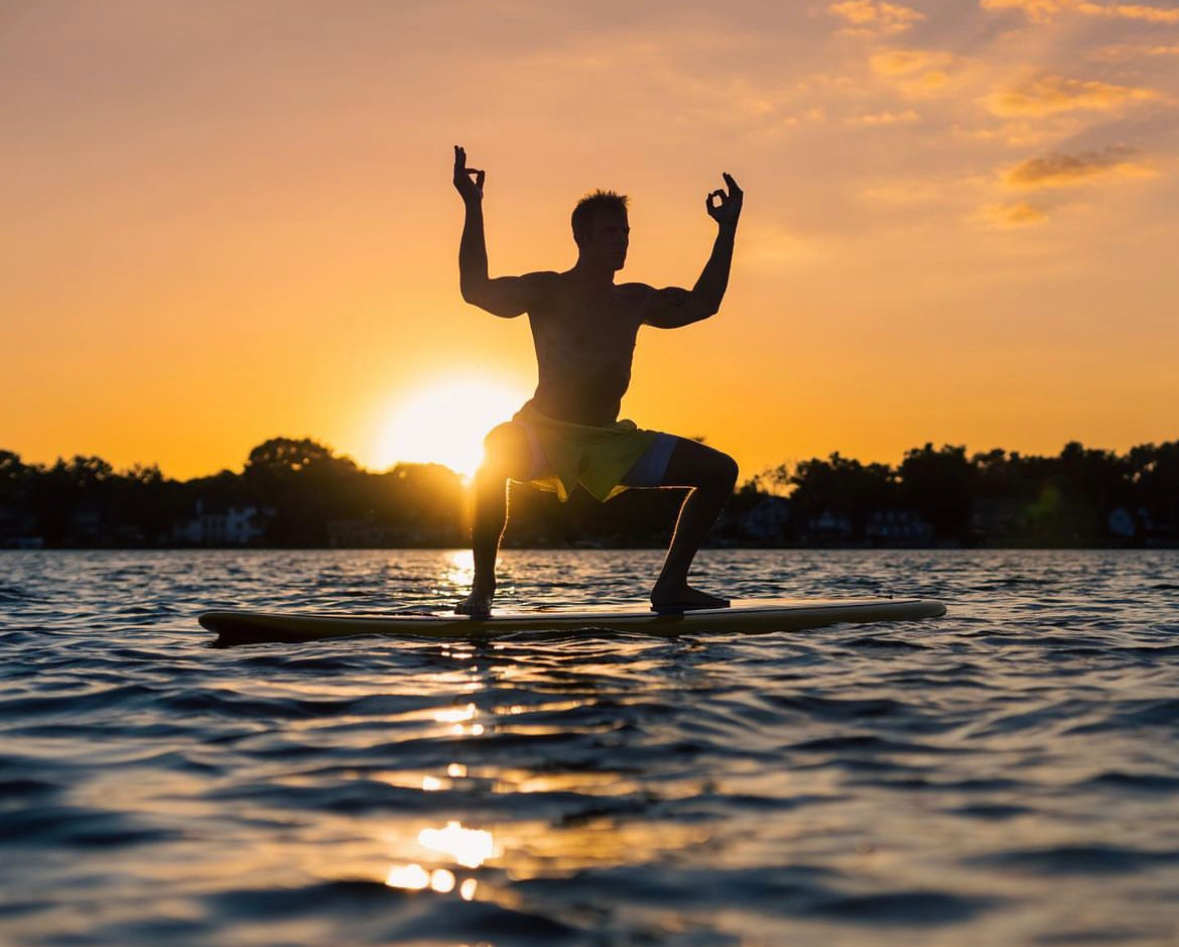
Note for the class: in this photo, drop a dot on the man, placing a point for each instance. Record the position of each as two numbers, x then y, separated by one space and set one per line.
584 328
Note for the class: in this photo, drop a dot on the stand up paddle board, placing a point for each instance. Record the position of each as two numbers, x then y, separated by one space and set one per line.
742 616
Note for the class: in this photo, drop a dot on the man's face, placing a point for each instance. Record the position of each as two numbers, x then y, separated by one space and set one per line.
609 237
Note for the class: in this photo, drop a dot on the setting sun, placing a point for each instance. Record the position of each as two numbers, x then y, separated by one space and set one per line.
446 423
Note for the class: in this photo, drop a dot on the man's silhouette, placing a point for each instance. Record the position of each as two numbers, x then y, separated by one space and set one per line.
584 328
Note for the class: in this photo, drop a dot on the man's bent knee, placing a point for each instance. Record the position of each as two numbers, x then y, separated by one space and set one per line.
720 472
727 471
695 465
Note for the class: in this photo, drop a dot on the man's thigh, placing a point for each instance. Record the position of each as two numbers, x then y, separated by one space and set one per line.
678 462
514 451
693 464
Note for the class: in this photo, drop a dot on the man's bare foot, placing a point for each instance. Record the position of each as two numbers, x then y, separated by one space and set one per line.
682 598
477 604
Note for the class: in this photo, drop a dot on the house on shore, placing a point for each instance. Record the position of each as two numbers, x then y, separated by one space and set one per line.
224 526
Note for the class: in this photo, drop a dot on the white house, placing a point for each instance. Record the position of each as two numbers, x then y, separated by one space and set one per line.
236 526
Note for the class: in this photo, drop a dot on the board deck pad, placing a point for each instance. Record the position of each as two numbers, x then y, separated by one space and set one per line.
743 616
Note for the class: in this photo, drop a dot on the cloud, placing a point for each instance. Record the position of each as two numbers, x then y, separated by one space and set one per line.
1047 95
1045 11
1130 51
917 71
1018 214
1021 133
875 17
1059 170
815 115
883 118
906 62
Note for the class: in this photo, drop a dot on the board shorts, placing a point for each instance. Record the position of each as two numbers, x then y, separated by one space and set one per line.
605 460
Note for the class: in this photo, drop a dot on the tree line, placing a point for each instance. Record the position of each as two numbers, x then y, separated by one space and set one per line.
298 492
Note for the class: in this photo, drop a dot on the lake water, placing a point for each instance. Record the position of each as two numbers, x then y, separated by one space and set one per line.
1006 775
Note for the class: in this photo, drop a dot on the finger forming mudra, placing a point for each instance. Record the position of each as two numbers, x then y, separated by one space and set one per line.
468 181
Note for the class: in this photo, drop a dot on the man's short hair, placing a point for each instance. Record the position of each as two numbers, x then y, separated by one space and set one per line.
588 207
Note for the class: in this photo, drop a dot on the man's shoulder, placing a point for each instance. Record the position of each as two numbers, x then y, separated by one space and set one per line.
542 285
635 292
543 277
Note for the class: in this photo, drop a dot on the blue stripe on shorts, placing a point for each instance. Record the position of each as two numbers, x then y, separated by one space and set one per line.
650 469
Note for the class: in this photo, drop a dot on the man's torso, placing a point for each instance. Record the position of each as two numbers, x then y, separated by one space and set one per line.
585 340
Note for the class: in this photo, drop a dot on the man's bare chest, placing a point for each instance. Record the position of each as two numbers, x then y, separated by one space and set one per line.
600 326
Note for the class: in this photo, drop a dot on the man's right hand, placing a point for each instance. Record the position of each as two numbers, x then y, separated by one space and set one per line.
470 188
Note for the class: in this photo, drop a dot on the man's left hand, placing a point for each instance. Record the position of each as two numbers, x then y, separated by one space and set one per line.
728 206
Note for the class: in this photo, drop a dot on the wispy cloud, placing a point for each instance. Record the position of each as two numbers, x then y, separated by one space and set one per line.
916 71
875 17
1063 170
876 119
1017 214
1045 11
1128 51
1047 95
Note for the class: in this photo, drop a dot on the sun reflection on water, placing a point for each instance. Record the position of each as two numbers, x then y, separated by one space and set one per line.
411 877
414 877
459 571
458 716
469 847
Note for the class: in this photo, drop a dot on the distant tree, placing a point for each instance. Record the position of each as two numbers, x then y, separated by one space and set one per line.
1091 484
57 495
422 499
1154 482
13 477
144 505
1065 499
843 487
286 455
774 481
993 474
306 485
938 484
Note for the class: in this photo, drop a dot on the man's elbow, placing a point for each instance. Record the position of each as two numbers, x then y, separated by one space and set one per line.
704 311
473 292
702 306
492 303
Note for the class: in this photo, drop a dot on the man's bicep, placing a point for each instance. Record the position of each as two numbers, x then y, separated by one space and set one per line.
668 308
507 296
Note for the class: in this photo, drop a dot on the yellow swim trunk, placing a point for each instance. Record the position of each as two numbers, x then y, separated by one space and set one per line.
605 460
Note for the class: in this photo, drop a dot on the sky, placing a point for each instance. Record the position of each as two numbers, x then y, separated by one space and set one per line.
228 221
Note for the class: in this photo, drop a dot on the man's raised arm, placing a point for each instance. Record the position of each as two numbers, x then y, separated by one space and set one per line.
506 296
672 308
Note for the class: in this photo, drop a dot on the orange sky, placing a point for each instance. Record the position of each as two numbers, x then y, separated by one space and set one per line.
229 221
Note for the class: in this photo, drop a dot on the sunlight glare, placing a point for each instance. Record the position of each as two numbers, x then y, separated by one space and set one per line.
445 423
411 877
460 569
469 847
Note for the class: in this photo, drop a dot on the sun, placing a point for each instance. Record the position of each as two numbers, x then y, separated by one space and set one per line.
445 424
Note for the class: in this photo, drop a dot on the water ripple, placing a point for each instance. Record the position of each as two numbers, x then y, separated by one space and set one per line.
1007 774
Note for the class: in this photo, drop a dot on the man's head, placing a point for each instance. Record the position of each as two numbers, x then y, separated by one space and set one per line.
601 228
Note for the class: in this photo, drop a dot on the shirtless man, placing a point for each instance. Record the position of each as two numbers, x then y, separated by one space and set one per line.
584 328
